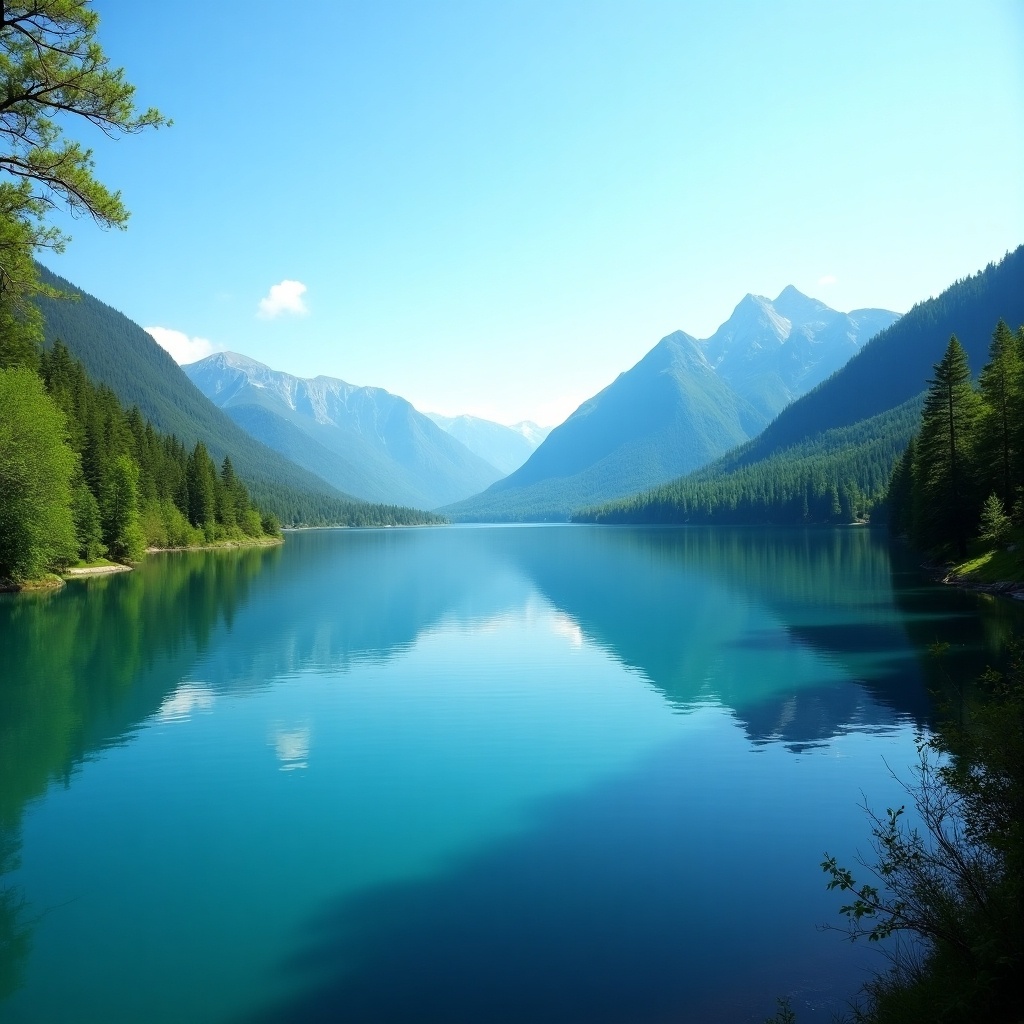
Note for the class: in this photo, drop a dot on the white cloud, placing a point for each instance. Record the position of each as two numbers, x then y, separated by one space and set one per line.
827 279
285 297
182 348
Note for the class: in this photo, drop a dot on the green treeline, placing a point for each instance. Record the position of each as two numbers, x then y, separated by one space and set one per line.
82 479
125 358
941 467
962 475
839 476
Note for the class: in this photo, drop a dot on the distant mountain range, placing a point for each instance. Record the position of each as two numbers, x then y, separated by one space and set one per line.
684 404
119 353
849 430
506 448
362 440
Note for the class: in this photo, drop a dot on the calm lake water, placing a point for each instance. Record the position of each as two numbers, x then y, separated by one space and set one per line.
546 774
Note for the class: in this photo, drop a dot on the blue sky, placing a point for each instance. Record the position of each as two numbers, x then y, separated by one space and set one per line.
496 207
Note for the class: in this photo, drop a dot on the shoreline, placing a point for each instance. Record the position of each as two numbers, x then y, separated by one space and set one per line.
223 545
1000 588
95 570
55 581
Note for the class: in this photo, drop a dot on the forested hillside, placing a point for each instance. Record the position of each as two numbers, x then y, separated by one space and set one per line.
829 456
82 479
892 368
117 352
685 403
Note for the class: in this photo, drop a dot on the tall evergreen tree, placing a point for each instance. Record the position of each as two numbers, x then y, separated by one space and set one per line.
54 72
88 522
200 478
1000 384
945 469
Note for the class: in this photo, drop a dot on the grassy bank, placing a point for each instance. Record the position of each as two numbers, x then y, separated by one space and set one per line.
104 566
990 568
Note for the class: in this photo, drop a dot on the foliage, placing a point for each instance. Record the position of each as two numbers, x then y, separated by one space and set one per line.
88 526
953 883
52 72
969 445
995 523
121 525
136 488
839 476
36 468
945 472
52 69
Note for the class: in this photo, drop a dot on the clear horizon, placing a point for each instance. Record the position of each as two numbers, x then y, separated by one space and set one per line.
496 210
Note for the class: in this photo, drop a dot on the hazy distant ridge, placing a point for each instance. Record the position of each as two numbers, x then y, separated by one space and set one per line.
362 440
507 448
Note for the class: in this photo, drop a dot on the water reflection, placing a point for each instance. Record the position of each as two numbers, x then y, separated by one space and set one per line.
83 668
186 699
770 626
697 612
292 747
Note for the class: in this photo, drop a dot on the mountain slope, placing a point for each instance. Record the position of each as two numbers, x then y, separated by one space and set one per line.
895 366
365 441
837 445
666 415
505 448
119 353
773 352
685 403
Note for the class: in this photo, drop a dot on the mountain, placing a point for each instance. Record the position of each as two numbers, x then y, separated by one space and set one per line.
118 353
362 440
531 431
685 403
838 443
773 352
506 448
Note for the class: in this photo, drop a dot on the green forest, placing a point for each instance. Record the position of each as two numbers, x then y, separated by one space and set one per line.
942 467
839 476
82 479
962 475
828 457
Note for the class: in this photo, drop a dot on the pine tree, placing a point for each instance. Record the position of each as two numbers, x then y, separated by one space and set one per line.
202 499
1000 385
88 523
945 471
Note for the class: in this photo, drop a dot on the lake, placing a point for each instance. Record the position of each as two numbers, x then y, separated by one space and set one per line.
460 774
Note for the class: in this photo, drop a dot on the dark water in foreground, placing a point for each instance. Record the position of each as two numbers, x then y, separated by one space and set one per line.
545 774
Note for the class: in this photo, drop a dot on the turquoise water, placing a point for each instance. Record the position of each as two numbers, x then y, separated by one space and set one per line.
458 774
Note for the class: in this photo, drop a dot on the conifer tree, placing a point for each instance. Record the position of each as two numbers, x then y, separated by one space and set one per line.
945 470
202 499
88 524
1000 385
52 72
